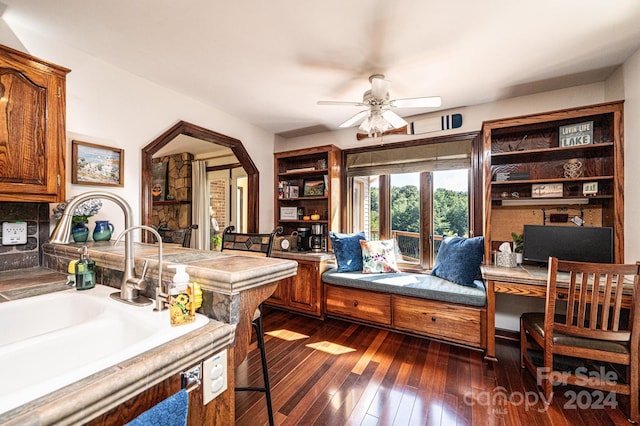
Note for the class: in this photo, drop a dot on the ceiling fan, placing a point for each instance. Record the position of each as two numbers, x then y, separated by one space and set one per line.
379 117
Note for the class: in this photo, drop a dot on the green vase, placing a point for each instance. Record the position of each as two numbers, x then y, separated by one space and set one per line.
80 232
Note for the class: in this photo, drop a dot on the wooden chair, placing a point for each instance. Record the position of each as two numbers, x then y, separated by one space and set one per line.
254 244
586 320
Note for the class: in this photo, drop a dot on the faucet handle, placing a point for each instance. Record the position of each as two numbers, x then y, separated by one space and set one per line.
139 283
144 269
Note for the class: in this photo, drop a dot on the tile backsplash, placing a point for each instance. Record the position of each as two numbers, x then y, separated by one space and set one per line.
27 255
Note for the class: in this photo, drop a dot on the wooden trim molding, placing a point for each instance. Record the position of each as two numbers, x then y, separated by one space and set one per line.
184 128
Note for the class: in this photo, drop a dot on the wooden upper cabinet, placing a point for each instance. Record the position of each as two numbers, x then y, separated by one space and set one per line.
32 128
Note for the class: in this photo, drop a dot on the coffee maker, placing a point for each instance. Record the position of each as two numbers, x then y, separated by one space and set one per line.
317 234
304 235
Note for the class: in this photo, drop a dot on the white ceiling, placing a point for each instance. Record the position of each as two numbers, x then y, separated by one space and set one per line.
268 62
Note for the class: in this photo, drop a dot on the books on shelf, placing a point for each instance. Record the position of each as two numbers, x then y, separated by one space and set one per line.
507 176
286 190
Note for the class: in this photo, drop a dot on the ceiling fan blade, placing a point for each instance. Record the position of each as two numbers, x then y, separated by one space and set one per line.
379 86
353 120
428 102
394 119
340 103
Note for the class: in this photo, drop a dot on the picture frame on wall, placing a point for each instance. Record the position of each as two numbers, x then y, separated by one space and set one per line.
94 164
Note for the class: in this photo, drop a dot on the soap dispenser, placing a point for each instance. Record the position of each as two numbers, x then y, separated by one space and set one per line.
182 310
85 271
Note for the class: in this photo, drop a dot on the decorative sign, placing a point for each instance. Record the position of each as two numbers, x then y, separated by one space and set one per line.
590 188
546 190
288 213
576 134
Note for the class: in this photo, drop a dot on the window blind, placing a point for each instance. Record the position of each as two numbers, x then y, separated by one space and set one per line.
411 159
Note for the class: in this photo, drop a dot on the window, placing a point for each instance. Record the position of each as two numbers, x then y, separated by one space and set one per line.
413 194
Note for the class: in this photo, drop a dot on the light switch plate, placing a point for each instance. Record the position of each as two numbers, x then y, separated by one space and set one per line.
14 233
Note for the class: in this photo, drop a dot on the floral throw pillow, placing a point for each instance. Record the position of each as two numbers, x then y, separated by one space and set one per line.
378 256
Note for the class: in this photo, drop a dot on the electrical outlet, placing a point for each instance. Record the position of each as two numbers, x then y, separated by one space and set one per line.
214 376
14 233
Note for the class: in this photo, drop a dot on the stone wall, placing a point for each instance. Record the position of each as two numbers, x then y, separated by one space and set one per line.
175 212
27 255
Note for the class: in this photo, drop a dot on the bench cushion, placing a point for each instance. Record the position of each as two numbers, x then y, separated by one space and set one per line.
417 285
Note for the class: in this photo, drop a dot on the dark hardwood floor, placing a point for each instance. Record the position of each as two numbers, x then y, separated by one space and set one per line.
337 373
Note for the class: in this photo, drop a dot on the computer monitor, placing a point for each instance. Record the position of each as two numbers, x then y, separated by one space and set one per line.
577 243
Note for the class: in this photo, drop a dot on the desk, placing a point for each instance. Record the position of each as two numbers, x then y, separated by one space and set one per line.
529 281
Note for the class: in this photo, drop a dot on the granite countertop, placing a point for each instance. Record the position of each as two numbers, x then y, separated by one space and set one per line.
216 271
306 255
100 392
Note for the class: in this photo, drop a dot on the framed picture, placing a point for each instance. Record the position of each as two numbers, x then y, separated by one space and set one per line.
546 190
313 188
96 164
159 181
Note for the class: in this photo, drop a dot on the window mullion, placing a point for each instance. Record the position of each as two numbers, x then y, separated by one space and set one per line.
426 219
384 182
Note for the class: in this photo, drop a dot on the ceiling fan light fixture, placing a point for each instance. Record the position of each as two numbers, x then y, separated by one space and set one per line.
375 123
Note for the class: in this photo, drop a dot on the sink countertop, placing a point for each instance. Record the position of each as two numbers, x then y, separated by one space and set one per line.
30 282
304 255
100 392
217 271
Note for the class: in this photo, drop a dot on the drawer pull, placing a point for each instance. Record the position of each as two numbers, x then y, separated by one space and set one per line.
355 303
561 296
433 319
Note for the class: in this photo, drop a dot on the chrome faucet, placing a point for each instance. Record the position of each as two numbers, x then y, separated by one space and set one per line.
129 291
62 234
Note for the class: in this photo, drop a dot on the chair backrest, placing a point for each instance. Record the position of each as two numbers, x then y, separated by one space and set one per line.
187 236
593 300
252 243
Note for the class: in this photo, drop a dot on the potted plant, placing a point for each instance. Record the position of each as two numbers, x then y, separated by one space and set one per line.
518 246
216 242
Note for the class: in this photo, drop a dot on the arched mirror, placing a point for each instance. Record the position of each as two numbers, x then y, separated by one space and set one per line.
226 161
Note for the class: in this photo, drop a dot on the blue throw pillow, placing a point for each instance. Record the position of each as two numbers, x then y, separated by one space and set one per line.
459 260
346 248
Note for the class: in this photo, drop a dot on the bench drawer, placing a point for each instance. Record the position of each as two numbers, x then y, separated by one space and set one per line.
455 323
359 304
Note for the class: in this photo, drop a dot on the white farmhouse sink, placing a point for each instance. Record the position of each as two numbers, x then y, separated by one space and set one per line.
53 340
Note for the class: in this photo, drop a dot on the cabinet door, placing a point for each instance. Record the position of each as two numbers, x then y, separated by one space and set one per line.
280 295
32 130
303 293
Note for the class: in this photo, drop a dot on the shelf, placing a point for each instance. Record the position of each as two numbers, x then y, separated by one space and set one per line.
303 221
303 173
318 197
551 180
552 151
543 201
170 202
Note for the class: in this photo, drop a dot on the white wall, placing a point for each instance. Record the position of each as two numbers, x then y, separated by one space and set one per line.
631 75
108 106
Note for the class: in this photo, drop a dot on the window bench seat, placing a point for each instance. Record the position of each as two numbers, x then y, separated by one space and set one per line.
415 303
